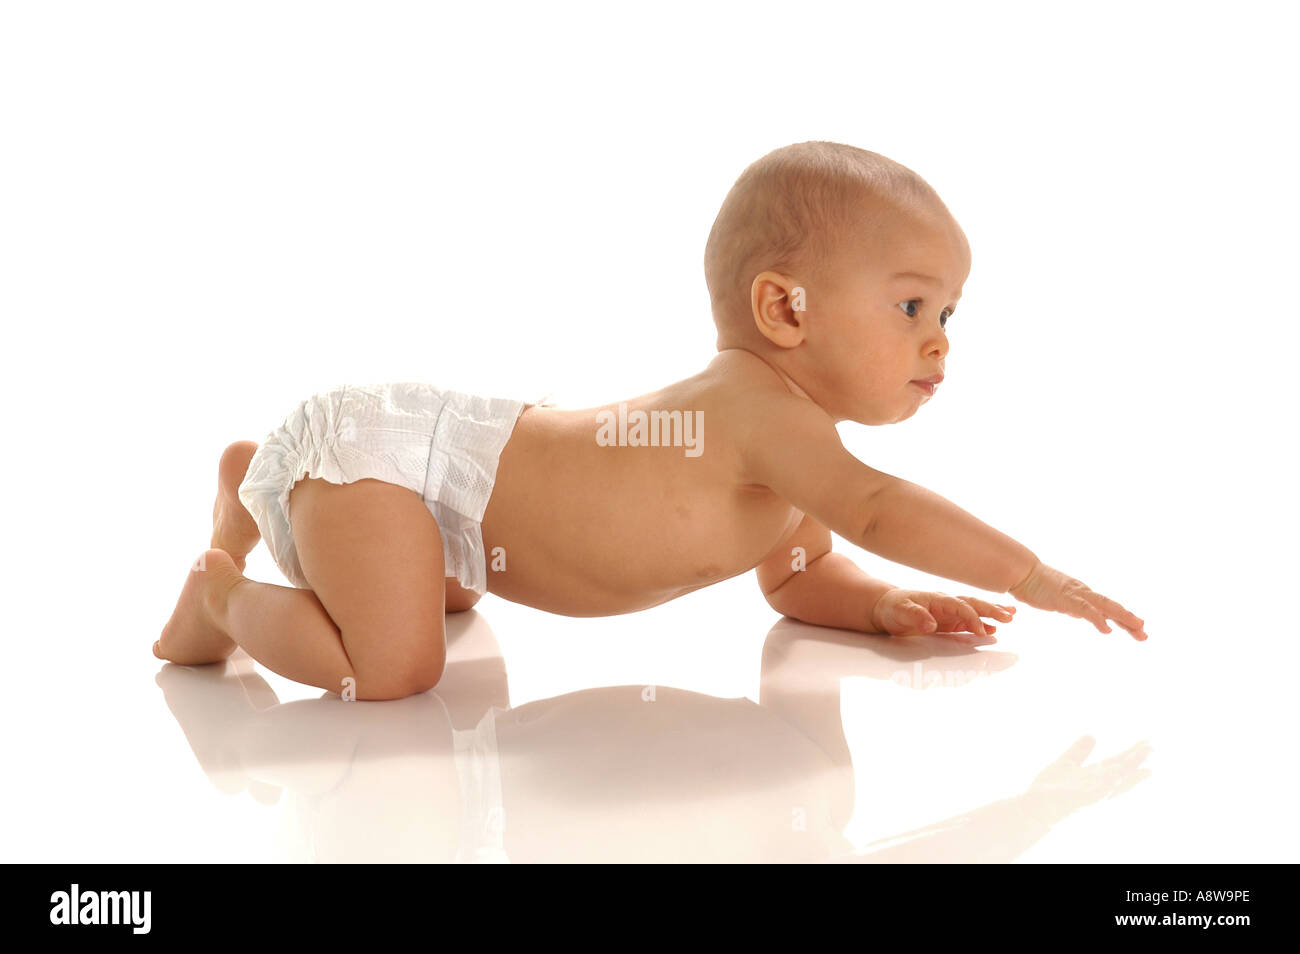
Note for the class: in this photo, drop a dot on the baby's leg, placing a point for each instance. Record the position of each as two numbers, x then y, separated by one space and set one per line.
233 527
373 555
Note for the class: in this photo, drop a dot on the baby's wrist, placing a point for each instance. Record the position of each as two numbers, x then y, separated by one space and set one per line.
1027 574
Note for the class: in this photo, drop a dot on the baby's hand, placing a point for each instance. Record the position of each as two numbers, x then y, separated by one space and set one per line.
1051 589
908 612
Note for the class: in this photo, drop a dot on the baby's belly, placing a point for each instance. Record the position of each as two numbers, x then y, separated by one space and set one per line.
603 569
568 591
579 556
583 530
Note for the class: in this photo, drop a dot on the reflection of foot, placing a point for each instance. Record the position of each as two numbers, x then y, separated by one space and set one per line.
233 527
212 708
192 636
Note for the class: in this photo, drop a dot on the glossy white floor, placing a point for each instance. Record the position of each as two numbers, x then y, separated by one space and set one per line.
212 214
702 730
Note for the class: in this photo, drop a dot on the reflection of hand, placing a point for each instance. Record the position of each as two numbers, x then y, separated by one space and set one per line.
1049 589
1067 785
914 612
1003 830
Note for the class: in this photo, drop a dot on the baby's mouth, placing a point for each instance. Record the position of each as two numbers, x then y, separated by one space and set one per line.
926 387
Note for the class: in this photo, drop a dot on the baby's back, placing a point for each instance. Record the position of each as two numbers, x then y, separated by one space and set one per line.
592 520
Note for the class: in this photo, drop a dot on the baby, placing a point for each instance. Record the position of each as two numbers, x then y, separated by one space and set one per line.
832 271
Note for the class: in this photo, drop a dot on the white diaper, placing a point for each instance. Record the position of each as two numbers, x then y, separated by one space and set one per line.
442 444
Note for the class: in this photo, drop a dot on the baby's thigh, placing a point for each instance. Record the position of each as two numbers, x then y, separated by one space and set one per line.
372 553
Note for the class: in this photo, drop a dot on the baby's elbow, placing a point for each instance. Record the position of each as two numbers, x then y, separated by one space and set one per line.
779 592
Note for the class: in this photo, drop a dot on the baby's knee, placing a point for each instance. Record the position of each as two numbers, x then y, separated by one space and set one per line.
397 685
423 675
416 670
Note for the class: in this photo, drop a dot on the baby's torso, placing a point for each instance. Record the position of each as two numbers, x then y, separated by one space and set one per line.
587 519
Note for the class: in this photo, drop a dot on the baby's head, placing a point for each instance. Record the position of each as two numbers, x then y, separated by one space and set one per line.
840 268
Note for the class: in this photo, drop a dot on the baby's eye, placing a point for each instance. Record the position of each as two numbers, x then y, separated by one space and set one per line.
916 304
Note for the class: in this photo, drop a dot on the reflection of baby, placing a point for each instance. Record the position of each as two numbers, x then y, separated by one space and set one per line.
833 273
610 774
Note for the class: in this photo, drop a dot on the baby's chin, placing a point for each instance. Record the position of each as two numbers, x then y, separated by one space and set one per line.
875 417
869 411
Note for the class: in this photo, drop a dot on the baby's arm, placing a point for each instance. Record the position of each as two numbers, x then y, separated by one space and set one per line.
793 448
806 581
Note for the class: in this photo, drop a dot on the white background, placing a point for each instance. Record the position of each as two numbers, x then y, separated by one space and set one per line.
209 211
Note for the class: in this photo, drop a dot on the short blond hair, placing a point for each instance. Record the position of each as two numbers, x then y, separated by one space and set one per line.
792 208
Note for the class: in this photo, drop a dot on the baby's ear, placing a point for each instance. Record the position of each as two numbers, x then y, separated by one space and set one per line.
779 306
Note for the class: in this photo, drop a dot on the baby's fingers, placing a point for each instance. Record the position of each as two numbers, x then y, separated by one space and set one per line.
1130 621
991 610
965 612
1097 609
1079 606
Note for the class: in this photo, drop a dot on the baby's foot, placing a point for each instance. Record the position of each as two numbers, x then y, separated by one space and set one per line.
192 636
233 527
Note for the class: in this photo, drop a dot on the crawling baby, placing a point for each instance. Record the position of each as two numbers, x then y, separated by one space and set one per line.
833 272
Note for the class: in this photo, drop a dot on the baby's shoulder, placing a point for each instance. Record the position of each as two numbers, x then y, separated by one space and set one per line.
751 405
